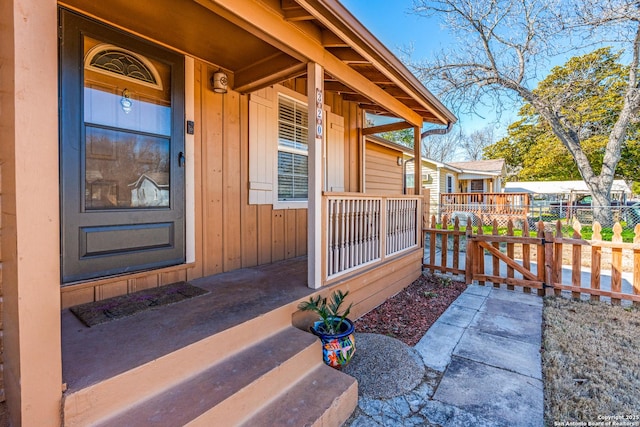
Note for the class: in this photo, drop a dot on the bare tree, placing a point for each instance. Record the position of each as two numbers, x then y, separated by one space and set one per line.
474 143
500 47
442 148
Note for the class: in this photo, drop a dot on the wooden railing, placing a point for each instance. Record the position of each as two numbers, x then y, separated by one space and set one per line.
538 261
484 205
361 230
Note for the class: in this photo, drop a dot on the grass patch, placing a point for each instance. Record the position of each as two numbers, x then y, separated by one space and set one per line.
590 360
567 231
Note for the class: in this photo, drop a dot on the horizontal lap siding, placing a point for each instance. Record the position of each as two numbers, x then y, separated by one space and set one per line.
382 173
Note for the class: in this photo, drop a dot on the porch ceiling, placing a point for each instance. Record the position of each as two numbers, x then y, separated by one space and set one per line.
225 34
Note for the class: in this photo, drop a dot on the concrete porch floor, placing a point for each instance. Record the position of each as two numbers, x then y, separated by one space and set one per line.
91 355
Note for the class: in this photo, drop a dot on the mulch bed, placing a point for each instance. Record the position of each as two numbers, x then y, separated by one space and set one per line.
408 315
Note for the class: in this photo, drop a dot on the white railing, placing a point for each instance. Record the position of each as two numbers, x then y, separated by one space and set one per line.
361 230
402 223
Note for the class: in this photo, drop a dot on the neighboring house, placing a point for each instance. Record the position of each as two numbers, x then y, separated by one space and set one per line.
254 110
455 183
480 176
150 190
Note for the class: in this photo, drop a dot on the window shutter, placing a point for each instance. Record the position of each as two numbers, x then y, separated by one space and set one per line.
262 146
335 153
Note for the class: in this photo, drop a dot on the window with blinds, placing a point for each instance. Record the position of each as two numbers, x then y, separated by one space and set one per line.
293 152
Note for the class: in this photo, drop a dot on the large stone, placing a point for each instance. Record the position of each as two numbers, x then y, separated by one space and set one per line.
384 367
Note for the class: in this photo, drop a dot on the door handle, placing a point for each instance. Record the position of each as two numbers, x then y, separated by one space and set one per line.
181 159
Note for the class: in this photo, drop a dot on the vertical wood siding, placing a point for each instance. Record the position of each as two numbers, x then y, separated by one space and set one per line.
230 233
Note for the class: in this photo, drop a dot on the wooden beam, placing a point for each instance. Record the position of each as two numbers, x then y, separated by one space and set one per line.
298 14
271 27
348 55
271 70
329 39
390 127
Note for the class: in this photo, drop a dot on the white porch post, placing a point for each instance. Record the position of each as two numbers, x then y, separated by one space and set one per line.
417 166
315 96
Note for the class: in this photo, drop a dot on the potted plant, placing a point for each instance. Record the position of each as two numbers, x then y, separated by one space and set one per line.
334 329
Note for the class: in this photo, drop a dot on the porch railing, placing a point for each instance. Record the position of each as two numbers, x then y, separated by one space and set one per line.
485 204
362 230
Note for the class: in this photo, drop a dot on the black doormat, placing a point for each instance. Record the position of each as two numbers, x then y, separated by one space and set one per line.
95 313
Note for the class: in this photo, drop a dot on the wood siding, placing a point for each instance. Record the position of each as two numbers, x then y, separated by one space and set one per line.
382 173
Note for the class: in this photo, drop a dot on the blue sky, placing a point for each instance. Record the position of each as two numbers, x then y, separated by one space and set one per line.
396 27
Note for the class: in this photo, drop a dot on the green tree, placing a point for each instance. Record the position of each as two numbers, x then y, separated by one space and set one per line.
590 89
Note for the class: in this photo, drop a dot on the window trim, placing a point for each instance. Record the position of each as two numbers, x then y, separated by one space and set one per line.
297 97
446 183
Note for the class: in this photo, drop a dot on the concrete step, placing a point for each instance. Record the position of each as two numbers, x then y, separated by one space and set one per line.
325 397
232 389
89 405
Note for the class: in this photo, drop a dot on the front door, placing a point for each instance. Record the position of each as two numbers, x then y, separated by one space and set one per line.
122 143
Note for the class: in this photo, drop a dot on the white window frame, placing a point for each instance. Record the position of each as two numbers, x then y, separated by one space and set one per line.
301 99
446 183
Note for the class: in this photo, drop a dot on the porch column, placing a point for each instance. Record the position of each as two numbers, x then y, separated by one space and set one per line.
315 96
30 255
417 167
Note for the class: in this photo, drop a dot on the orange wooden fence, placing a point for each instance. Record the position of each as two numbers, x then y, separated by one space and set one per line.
536 262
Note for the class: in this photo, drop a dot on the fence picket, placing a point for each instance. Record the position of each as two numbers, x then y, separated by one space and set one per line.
596 261
576 260
510 251
526 253
636 264
456 244
496 260
540 259
445 239
480 256
616 263
557 261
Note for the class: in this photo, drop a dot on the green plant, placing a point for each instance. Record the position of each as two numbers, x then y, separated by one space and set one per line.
329 311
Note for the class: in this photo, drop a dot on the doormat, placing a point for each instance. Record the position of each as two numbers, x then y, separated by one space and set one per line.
95 313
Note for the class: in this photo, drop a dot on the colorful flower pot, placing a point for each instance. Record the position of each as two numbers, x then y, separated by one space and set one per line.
338 349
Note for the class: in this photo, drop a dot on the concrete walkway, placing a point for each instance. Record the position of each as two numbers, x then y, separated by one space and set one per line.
482 367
